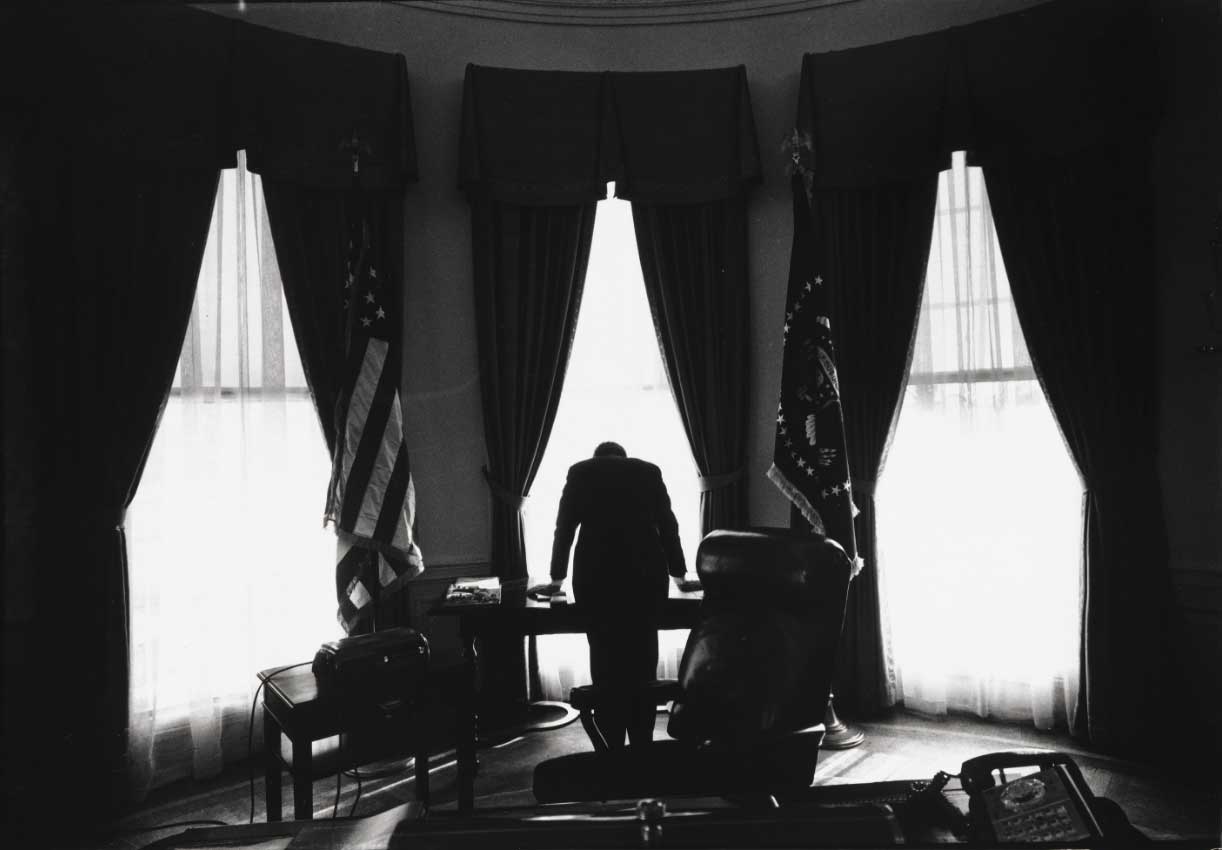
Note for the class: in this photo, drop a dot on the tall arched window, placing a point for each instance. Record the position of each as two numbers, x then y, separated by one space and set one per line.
231 570
615 389
979 503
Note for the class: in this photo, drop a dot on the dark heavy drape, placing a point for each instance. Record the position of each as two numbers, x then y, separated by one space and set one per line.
530 266
688 157
97 298
875 246
108 177
694 260
1076 237
532 151
538 149
308 226
880 122
110 158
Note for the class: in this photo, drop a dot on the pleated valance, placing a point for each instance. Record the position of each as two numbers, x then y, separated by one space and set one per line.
304 104
176 87
557 137
1047 81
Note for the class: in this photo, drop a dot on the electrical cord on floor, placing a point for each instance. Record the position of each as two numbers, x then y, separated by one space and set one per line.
250 730
173 825
357 798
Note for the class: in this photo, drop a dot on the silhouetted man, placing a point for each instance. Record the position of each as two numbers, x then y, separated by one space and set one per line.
629 542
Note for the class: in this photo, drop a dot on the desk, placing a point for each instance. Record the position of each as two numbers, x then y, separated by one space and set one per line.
292 706
517 615
687 823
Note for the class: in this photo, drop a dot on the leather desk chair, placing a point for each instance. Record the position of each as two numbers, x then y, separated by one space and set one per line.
747 709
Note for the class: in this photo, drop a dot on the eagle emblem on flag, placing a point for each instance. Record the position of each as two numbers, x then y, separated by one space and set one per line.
809 463
371 500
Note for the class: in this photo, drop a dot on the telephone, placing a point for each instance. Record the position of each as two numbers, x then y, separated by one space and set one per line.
1044 798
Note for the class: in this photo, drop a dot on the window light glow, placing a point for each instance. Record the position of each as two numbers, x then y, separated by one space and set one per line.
616 389
979 503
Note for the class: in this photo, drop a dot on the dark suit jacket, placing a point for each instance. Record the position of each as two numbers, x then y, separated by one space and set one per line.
629 537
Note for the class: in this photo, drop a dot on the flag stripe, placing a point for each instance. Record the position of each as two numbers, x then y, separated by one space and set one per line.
405 533
392 504
368 373
379 476
370 443
347 567
371 499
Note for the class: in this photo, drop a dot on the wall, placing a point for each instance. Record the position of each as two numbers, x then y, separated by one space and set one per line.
1188 181
442 390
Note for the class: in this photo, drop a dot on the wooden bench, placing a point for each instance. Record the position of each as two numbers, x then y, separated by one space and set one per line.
294 708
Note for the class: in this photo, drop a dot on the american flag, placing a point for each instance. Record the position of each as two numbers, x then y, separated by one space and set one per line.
371 500
809 464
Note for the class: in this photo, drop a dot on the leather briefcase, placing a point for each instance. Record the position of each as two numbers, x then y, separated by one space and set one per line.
389 664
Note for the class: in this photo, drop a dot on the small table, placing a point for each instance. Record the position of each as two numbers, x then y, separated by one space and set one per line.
292 705
518 615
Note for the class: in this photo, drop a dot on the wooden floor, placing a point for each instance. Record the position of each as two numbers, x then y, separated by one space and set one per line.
904 747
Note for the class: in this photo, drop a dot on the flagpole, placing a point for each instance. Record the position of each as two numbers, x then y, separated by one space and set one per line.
810 458
370 498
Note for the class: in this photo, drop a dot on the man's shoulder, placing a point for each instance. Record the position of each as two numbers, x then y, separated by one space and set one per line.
613 465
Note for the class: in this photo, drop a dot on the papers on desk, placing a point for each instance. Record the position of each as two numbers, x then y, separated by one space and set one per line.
474 591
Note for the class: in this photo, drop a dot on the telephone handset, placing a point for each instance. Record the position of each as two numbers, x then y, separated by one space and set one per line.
1044 798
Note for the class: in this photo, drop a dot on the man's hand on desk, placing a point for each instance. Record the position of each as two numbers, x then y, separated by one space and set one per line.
686 583
544 591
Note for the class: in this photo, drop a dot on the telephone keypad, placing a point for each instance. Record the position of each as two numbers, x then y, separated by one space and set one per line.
1034 808
1047 824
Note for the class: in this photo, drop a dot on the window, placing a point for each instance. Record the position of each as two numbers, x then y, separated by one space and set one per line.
615 389
979 503
230 568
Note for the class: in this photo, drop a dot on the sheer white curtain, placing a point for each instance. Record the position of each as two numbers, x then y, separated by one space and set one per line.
979 504
231 571
615 389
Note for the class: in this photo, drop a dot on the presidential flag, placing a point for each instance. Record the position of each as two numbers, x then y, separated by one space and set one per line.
371 500
809 463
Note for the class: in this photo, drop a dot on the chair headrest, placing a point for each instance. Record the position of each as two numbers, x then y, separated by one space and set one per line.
769 566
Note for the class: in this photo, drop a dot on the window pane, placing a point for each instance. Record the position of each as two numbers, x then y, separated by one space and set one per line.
231 570
979 504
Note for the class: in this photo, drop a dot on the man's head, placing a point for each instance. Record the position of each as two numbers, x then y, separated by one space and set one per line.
610 450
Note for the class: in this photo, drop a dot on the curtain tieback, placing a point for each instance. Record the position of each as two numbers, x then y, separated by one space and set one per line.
716 482
864 486
514 501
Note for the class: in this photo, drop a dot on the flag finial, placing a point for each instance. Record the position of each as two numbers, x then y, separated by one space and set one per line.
355 148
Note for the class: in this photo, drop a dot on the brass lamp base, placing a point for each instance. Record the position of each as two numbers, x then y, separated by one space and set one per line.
838 735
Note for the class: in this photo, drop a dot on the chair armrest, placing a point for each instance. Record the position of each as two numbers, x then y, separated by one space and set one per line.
587 697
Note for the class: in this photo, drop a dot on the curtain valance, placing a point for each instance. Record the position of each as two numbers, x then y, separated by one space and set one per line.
304 104
1046 81
558 137
180 88
140 84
